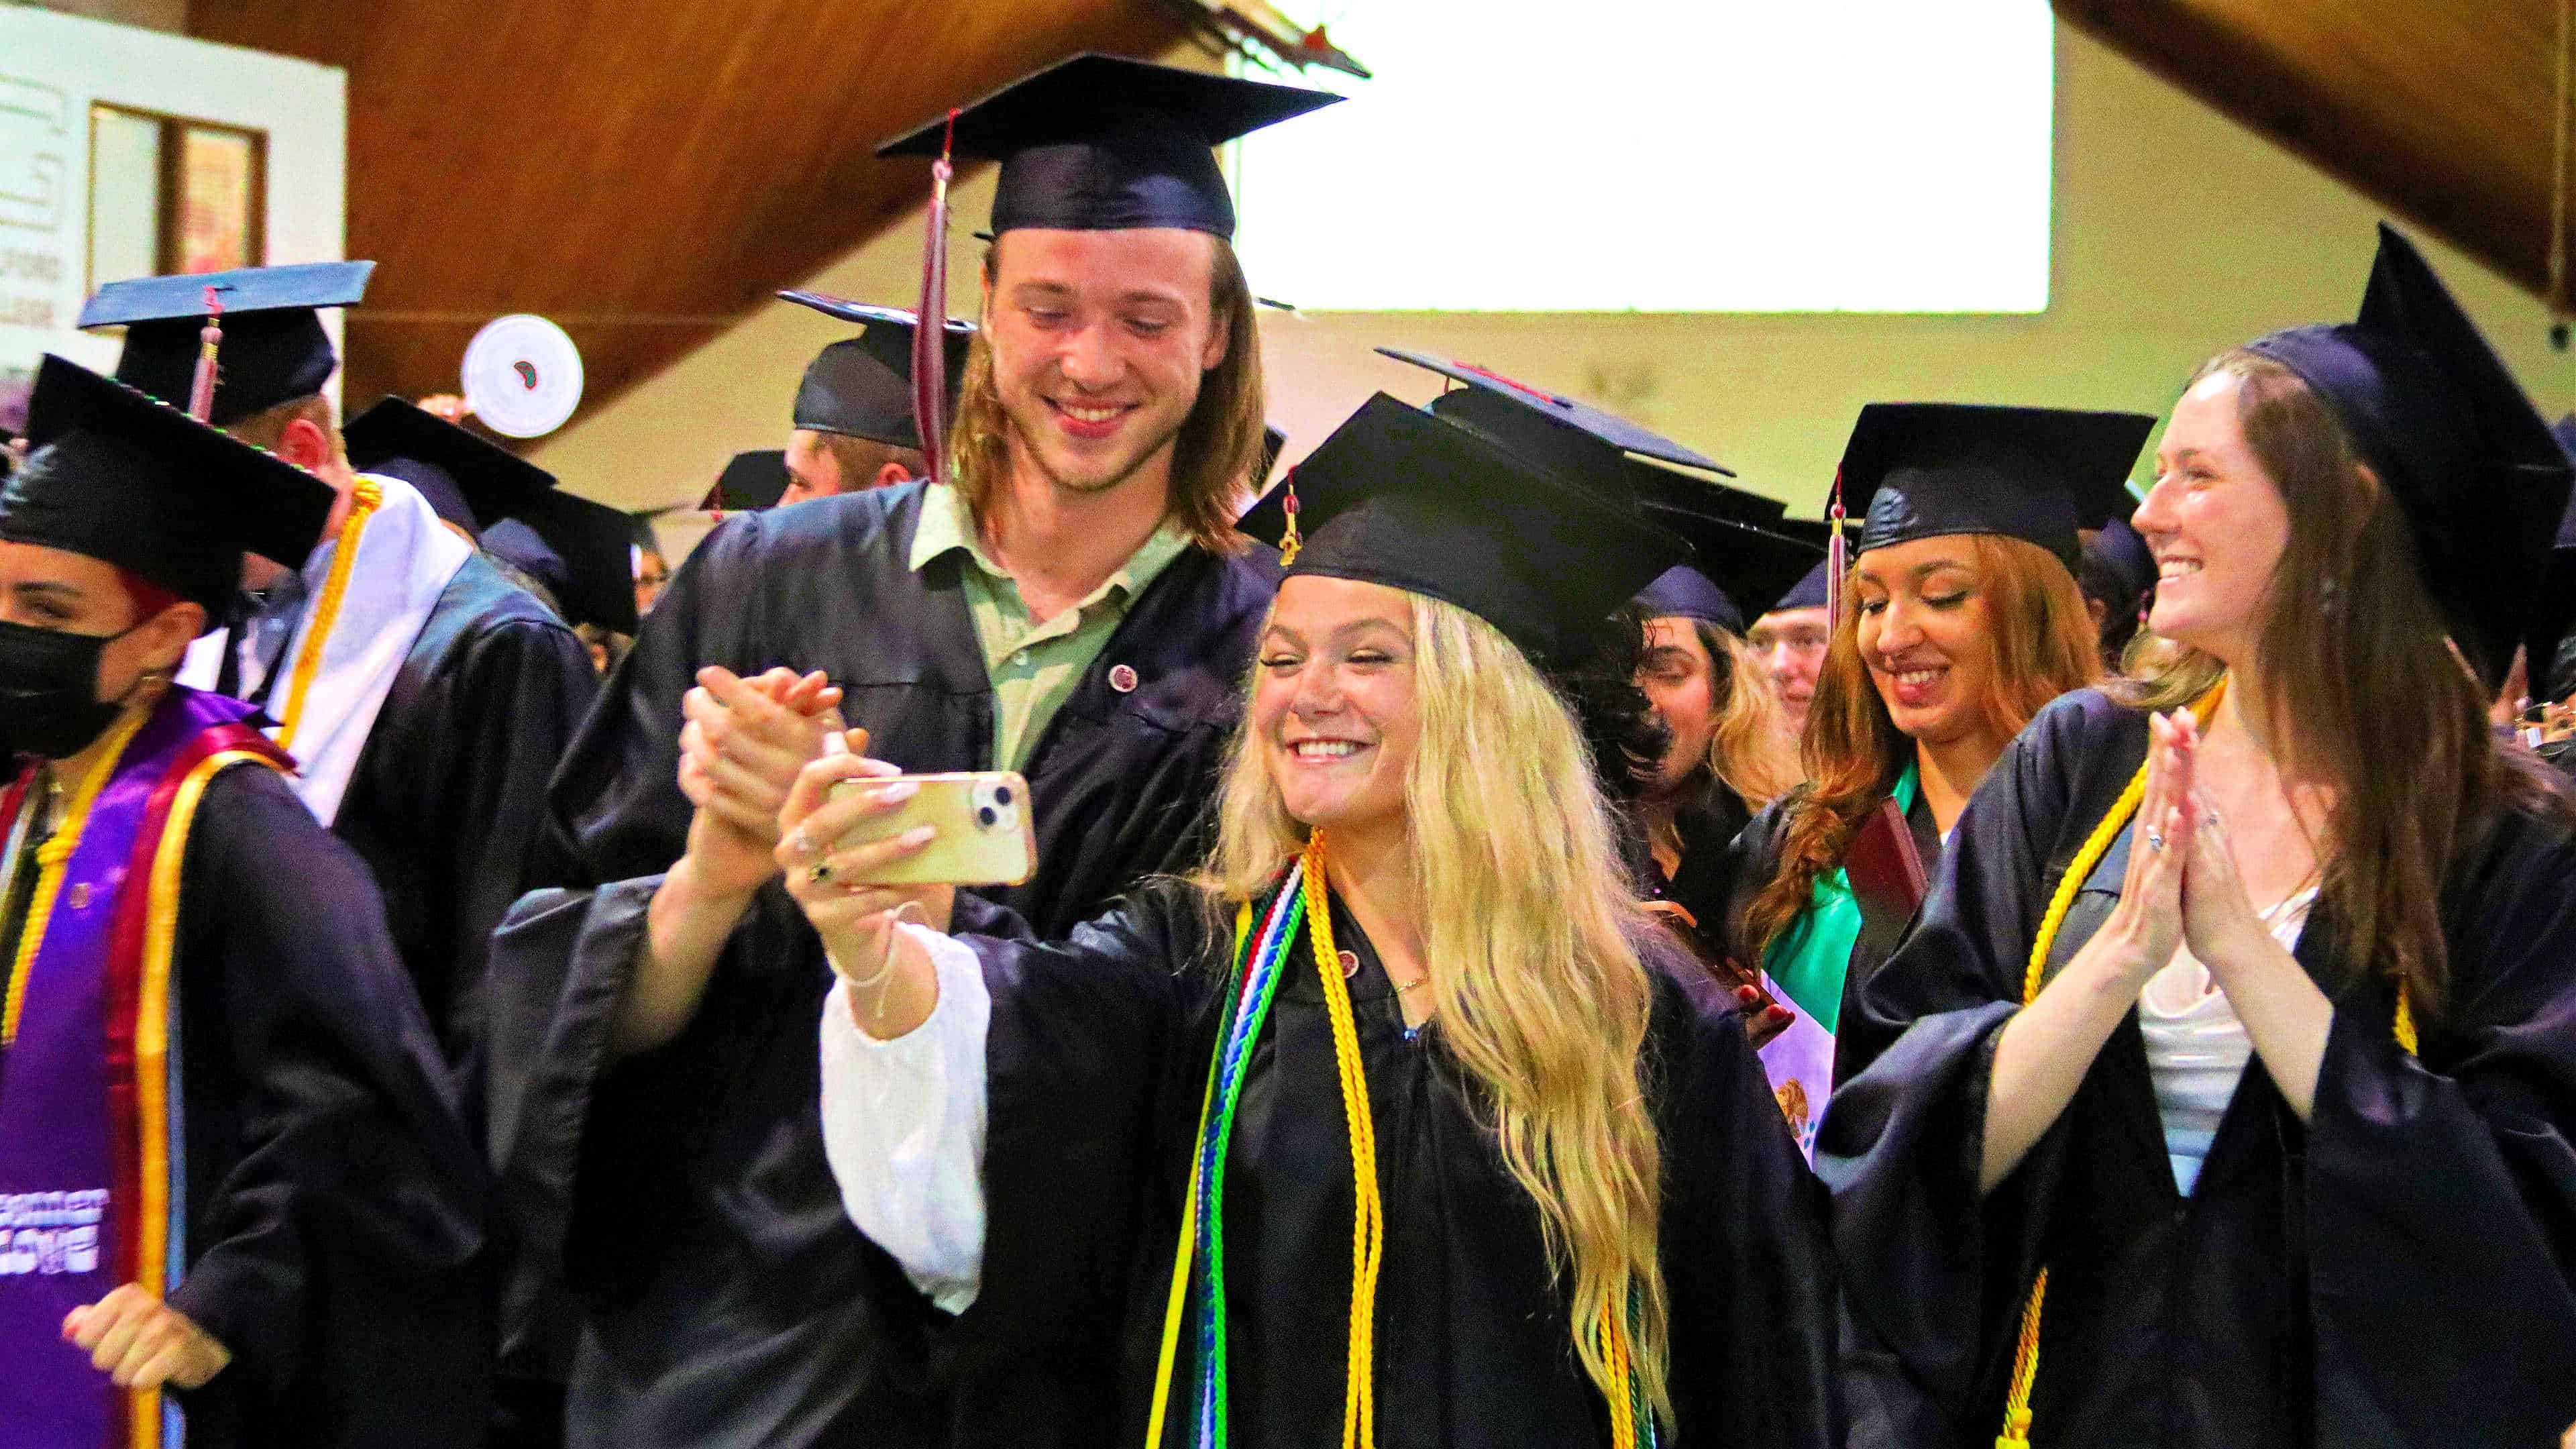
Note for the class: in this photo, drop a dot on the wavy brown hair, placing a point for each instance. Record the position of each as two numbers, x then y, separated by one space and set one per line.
1215 452
2359 670
2041 644
1537 988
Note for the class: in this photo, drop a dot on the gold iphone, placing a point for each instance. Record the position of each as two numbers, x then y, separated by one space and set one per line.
983 823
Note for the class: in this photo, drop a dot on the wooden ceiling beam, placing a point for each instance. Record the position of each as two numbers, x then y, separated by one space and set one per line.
646 175
2440 111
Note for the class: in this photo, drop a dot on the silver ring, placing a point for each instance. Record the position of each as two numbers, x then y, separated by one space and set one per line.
801 844
2154 841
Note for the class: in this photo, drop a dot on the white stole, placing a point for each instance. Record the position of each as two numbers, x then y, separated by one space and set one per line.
405 559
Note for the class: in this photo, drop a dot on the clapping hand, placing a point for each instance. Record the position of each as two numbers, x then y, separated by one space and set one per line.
740 748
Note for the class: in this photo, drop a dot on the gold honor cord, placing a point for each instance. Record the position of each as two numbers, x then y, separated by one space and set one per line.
53 858
326 610
2025 1372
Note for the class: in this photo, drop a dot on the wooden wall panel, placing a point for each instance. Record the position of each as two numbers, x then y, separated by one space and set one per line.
643 174
2442 110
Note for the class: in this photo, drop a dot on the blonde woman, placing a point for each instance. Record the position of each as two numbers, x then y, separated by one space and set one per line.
1493 1175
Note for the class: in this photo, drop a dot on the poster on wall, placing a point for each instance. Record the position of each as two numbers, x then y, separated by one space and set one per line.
130 153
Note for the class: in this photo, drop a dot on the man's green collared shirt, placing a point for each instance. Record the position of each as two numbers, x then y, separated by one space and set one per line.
1034 666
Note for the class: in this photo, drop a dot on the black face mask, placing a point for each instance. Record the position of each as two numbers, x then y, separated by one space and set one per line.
49 702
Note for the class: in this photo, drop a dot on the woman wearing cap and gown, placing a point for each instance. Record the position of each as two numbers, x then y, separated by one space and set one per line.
1549 1201
2234 1096
236 1203
1960 619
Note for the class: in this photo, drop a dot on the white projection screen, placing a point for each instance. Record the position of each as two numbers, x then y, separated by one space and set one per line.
1665 156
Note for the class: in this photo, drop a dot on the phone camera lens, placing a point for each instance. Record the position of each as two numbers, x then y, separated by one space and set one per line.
1002 794
986 816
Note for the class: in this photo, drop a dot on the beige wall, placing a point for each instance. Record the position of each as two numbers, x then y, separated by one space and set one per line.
2177 233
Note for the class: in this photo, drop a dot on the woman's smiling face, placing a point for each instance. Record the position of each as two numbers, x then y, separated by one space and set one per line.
1925 635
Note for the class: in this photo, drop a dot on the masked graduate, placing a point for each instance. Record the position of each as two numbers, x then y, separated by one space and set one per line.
1072 603
1413 1129
854 427
1961 618
2233 1101
237 1204
424 697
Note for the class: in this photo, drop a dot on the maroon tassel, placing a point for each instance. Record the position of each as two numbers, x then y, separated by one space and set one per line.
1836 561
930 319
201 389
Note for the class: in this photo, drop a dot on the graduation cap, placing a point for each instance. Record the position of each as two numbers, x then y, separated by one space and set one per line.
1929 470
123 478
862 387
576 548
1578 440
583 551
1809 592
1273 440
751 482
2119 549
1101 143
1730 561
471 481
2482 481
1399 497
273 348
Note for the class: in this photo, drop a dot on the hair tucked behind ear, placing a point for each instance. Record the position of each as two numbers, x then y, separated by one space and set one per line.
2367 699
1537 988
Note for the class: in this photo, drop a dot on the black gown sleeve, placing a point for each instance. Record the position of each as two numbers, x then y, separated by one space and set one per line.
1749 1268
1902 1144
1096 1048
2441 1192
339 1251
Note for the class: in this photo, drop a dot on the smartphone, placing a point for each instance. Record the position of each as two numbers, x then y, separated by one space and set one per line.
983 822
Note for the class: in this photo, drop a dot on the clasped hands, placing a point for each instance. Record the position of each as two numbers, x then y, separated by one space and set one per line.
758 758
2182 886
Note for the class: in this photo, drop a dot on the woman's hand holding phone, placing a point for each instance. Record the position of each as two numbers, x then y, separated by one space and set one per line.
830 881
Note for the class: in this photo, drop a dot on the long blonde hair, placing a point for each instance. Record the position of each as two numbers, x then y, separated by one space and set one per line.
1750 750
1214 454
1536 983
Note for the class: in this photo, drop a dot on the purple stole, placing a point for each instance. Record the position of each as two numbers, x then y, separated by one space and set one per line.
91 1187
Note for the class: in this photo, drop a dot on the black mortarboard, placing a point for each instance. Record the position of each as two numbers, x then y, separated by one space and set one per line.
1273 440
1099 143
1809 592
641 534
1399 497
2436 415
120 477
2564 430
274 349
1729 562
1929 470
1549 427
576 548
862 387
459 471
2118 548
751 482
594 543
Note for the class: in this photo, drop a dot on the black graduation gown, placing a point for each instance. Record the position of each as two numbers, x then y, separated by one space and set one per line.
447 802
1723 877
335 1203
2396 1271
1097 1061
728 1300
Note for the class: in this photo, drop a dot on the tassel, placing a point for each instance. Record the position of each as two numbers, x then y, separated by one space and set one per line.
1836 560
1289 540
930 319
201 390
